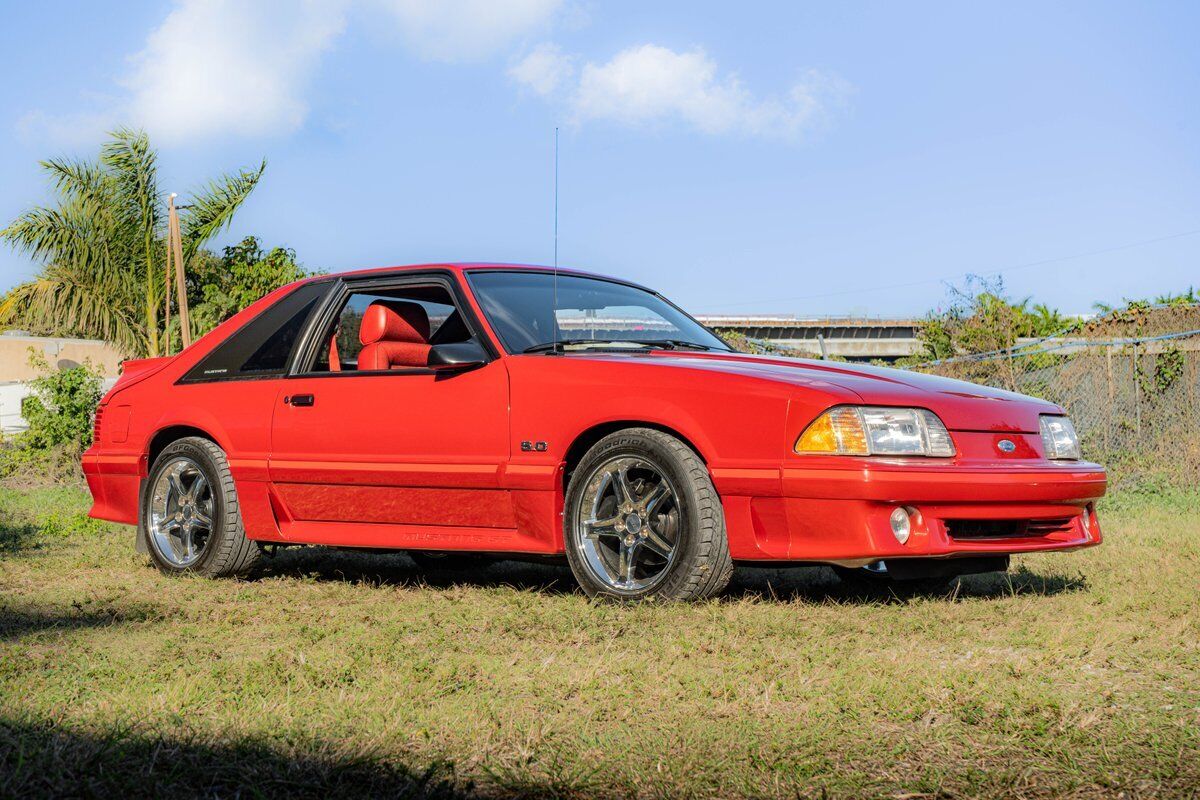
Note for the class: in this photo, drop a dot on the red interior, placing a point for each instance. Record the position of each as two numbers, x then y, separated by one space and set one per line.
394 335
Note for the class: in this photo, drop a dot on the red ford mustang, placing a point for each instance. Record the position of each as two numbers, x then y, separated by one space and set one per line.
450 408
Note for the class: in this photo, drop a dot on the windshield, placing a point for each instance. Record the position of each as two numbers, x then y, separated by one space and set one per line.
588 312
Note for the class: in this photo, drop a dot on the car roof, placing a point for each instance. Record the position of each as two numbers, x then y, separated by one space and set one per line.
470 266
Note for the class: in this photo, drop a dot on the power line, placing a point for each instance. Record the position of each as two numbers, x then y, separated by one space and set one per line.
927 281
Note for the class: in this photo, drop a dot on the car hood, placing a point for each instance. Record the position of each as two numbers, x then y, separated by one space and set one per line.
962 406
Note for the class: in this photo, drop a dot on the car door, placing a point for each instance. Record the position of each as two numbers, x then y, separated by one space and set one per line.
400 446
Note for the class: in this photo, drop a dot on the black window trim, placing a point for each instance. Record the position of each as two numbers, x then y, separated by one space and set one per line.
266 376
310 339
572 274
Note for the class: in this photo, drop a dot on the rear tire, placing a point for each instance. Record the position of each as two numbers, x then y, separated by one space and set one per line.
190 520
642 520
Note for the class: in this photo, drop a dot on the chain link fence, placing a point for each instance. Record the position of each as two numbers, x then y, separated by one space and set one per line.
1130 381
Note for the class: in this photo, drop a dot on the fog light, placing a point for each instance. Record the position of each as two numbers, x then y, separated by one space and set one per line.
901 525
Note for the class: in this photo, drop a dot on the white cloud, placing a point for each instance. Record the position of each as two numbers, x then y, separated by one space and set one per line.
230 67
467 30
649 84
243 67
544 70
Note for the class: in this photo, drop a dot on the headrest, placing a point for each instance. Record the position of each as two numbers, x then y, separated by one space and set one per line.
394 321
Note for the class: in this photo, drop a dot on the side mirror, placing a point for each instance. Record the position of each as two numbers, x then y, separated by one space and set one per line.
457 356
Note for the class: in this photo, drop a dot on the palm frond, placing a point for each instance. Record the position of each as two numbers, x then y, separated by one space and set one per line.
71 233
134 164
79 179
61 304
212 208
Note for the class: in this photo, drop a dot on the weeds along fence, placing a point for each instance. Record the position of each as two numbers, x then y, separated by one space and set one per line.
1130 381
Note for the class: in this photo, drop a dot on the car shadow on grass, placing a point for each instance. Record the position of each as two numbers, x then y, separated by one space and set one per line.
396 569
17 623
17 535
820 584
40 759
805 584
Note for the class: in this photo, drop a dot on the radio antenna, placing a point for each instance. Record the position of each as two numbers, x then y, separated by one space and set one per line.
554 309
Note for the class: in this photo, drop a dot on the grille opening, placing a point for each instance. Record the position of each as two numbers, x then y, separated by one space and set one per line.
1006 528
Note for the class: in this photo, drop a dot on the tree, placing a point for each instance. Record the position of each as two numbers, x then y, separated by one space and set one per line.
102 245
217 288
981 318
1171 299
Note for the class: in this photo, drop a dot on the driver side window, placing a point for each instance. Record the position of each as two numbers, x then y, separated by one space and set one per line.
390 329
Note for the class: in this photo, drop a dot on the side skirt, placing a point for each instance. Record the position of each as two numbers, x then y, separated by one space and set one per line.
410 537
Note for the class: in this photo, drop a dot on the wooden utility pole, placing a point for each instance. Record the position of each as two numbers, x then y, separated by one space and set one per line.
176 246
167 297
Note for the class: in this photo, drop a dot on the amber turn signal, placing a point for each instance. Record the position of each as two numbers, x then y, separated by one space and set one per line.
838 430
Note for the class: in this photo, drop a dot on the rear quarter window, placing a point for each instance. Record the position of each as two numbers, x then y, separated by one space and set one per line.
264 346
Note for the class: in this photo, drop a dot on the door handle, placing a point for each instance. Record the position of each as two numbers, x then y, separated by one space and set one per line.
299 400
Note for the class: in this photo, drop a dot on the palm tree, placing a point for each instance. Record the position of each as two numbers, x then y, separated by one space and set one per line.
102 245
1047 320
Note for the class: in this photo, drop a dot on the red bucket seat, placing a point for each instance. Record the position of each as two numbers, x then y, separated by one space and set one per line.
394 335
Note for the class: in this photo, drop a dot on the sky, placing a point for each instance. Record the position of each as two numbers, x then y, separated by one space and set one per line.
743 158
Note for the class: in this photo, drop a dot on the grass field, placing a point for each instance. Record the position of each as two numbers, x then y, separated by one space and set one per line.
343 674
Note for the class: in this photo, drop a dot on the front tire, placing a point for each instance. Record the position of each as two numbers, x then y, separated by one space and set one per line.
643 520
190 519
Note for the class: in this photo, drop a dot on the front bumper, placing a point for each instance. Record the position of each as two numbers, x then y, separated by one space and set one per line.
840 515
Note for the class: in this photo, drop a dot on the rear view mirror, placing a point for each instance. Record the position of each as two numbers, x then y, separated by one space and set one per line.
457 356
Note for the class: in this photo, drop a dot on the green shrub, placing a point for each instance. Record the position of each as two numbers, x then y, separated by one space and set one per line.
59 413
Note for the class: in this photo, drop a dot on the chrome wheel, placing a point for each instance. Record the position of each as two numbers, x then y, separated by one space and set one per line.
627 526
181 512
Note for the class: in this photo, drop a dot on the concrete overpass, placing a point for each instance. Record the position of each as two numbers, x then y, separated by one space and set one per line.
853 338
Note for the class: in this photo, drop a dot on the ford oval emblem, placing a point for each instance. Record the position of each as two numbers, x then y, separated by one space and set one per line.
1006 445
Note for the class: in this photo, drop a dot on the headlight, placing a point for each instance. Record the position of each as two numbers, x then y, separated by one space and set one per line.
876 431
1059 438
